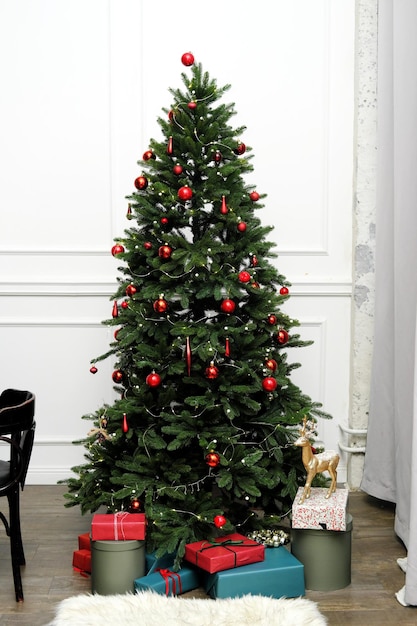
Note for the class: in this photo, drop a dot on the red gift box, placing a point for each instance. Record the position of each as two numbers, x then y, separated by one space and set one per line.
118 526
84 541
224 553
81 561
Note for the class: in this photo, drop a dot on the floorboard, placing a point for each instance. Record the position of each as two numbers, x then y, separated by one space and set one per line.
50 534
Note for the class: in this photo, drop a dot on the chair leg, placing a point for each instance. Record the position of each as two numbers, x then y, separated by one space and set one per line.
16 545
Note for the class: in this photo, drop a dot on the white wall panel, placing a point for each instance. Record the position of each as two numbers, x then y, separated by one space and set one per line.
82 88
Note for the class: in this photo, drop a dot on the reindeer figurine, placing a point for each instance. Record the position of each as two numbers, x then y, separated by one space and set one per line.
316 463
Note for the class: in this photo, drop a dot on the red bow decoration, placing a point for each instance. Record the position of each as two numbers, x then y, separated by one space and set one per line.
167 575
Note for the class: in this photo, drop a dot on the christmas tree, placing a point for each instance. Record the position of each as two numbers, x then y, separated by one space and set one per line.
201 433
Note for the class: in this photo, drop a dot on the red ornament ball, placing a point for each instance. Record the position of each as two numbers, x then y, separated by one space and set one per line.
164 221
282 337
242 226
141 182
165 252
93 369
217 156
177 169
187 59
272 319
160 305
147 245
125 304
212 459
130 290
240 148
228 306
135 506
116 332
153 379
244 276
269 384
148 155
117 376
117 249
185 193
192 105
219 521
271 364
211 371
284 291
254 196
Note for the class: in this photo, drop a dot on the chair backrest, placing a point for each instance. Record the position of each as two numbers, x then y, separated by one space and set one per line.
17 428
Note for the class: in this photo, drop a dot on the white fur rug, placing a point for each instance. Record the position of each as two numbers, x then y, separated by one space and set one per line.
152 609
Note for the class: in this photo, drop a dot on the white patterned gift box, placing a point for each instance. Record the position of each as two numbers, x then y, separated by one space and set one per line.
318 512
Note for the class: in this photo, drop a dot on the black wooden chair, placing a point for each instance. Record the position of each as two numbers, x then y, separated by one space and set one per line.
17 431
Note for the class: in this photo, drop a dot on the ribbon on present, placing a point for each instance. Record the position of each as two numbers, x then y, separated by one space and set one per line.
225 544
118 525
167 575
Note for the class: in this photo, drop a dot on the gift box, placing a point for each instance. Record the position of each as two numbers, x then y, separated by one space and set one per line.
152 562
224 553
318 512
279 575
169 583
81 561
118 527
84 541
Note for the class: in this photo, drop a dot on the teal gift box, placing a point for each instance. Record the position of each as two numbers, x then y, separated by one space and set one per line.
153 562
279 575
169 583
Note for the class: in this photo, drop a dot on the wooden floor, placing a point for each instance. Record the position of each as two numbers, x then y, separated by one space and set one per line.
50 536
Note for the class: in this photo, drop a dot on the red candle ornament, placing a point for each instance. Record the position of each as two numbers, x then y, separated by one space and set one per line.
223 209
188 355
170 146
125 425
115 310
227 347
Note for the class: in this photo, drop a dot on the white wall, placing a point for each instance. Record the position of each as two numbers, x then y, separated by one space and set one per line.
82 86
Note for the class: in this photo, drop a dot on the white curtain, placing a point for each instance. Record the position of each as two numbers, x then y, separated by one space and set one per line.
390 471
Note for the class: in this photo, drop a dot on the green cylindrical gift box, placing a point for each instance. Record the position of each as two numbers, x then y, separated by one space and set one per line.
326 556
115 565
